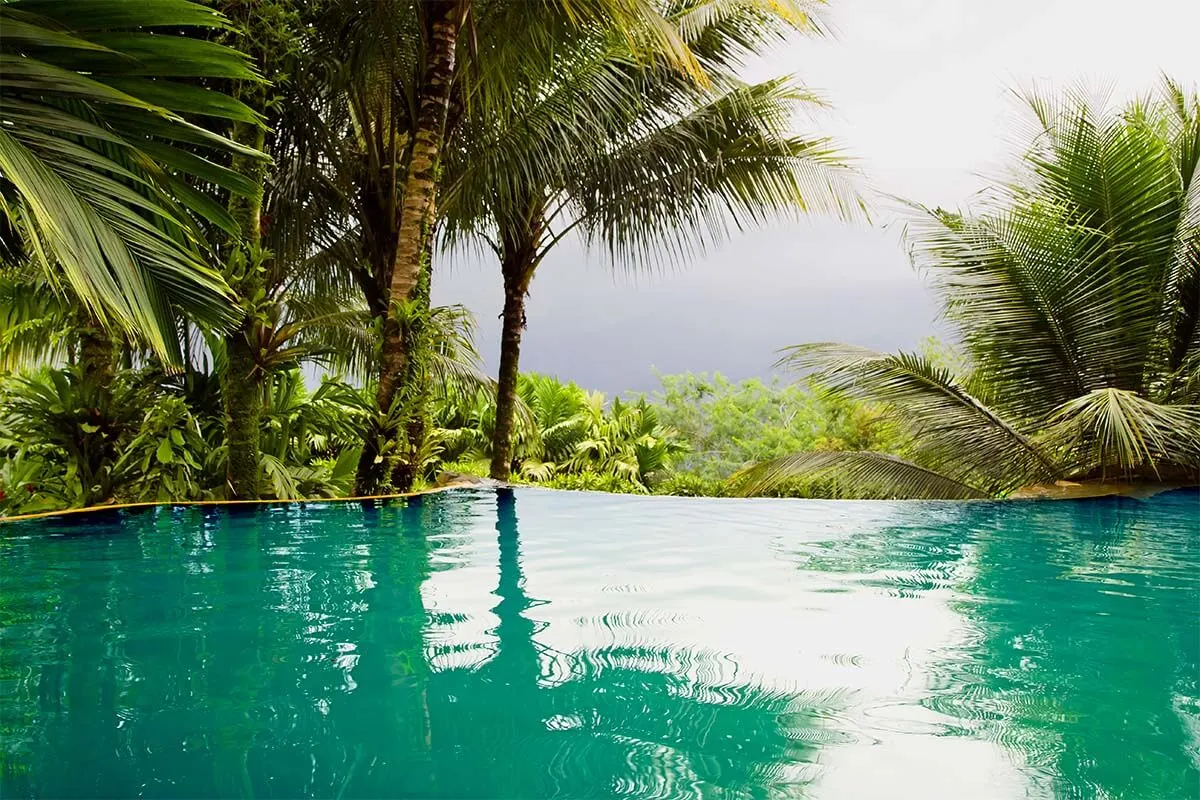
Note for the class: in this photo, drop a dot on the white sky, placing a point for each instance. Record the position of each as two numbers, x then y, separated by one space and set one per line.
921 96
921 87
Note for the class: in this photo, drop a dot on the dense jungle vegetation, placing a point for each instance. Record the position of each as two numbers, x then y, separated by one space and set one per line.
203 204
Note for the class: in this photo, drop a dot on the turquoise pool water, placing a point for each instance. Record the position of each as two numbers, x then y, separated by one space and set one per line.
535 644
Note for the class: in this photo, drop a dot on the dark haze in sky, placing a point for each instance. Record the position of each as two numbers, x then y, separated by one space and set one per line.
728 312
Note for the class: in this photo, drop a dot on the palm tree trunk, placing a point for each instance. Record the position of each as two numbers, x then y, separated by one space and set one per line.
97 352
521 240
444 19
369 474
516 285
242 392
98 366
413 387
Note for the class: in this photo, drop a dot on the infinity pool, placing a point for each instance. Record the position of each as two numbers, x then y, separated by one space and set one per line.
529 644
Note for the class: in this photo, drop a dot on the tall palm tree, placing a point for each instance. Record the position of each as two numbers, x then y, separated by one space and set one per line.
98 156
1076 294
268 31
396 80
652 163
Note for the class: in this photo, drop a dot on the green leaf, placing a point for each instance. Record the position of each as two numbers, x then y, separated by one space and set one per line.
1113 430
200 167
165 454
154 54
25 33
95 209
184 98
859 474
955 430
99 15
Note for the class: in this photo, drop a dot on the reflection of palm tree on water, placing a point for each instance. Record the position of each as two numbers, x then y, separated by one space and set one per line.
385 718
224 655
277 661
1088 657
628 719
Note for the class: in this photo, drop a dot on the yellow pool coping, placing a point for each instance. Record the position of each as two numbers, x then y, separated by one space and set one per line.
195 503
1025 495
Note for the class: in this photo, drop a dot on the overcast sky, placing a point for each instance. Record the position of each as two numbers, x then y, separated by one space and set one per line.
921 95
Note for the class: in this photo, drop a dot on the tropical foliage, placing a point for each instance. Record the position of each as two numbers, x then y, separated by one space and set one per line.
156 437
379 156
687 438
65 443
149 434
98 157
261 225
220 222
568 433
1075 291
731 425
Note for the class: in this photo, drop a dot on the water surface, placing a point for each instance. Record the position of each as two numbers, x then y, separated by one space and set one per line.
536 644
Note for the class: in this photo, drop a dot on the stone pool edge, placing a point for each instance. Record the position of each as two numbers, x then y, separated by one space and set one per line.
200 503
1026 494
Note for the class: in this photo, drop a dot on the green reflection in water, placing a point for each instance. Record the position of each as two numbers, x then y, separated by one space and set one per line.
450 647
1087 661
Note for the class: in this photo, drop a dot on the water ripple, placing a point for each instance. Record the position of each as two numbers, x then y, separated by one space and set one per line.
539 644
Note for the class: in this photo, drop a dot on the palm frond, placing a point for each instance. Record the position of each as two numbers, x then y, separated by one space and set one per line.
92 111
677 187
722 33
953 431
1115 430
280 479
598 132
1178 328
35 321
1080 272
857 474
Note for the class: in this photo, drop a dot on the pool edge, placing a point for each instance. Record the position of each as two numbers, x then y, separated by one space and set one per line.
201 503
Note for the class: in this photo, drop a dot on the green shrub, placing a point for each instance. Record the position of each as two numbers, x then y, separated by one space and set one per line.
594 482
29 484
165 459
77 427
690 485
729 426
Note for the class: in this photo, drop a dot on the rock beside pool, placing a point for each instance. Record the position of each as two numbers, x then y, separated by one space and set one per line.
1079 490
449 480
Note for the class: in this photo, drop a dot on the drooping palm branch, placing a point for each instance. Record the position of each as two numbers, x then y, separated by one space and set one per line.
646 163
1075 294
100 149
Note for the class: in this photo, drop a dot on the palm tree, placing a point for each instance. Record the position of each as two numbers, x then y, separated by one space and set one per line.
98 158
442 22
1076 294
396 81
651 161
267 31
